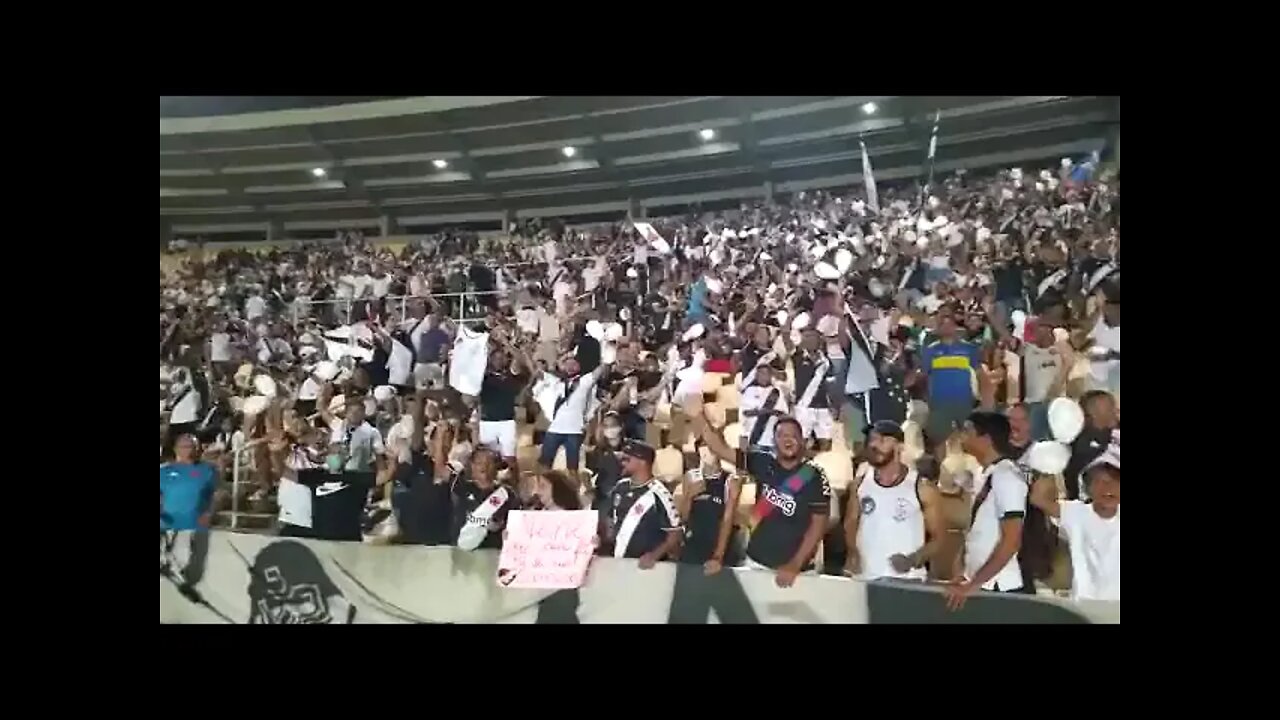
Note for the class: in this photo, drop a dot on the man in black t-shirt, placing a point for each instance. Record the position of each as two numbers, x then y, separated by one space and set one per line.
481 504
424 510
642 520
498 392
424 505
337 505
793 502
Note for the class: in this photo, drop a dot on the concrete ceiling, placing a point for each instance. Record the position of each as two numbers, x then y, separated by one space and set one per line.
248 170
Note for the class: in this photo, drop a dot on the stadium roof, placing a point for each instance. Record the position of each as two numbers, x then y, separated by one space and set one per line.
299 164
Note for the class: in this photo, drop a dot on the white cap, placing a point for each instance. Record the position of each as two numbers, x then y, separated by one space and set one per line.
800 322
694 332
826 271
326 370
1048 458
595 329
844 260
265 386
383 393
1066 419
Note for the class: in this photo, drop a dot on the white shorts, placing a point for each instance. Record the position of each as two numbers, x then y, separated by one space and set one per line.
816 422
499 435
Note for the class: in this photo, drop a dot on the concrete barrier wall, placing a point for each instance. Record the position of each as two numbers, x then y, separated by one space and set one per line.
260 579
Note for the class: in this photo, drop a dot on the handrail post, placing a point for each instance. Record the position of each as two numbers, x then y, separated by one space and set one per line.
235 488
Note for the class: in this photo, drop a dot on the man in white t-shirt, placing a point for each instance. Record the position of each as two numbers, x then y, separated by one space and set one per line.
1092 528
1043 376
565 401
995 535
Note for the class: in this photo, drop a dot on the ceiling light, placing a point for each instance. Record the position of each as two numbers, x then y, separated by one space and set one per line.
869 108
707 134
570 151
318 172
440 164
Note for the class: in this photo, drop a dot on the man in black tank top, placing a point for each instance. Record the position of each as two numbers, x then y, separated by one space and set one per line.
792 503
708 504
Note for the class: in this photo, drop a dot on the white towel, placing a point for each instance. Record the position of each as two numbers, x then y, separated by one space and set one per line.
468 360
399 364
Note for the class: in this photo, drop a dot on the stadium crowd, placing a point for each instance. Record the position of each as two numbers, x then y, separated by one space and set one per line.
917 384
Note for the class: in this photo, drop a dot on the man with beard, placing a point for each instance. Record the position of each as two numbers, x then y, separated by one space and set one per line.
481 504
564 400
642 520
895 524
792 503
995 531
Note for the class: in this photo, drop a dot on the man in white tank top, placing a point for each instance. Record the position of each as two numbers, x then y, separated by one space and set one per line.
894 524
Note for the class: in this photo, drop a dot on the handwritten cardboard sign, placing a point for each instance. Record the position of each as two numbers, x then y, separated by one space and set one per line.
547 549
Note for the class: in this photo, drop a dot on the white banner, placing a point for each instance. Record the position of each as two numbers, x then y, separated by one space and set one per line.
225 577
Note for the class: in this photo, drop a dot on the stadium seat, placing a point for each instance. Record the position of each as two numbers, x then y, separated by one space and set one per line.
668 464
729 397
712 382
838 466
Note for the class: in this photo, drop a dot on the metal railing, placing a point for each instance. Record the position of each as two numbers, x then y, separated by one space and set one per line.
401 303
236 471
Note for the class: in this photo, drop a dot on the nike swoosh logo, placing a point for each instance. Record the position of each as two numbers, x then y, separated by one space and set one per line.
329 489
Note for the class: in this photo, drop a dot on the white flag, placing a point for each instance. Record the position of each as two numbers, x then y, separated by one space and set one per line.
933 140
869 179
655 240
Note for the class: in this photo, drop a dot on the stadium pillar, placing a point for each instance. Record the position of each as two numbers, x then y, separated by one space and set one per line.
508 219
768 190
387 226
166 233
637 208
275 231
